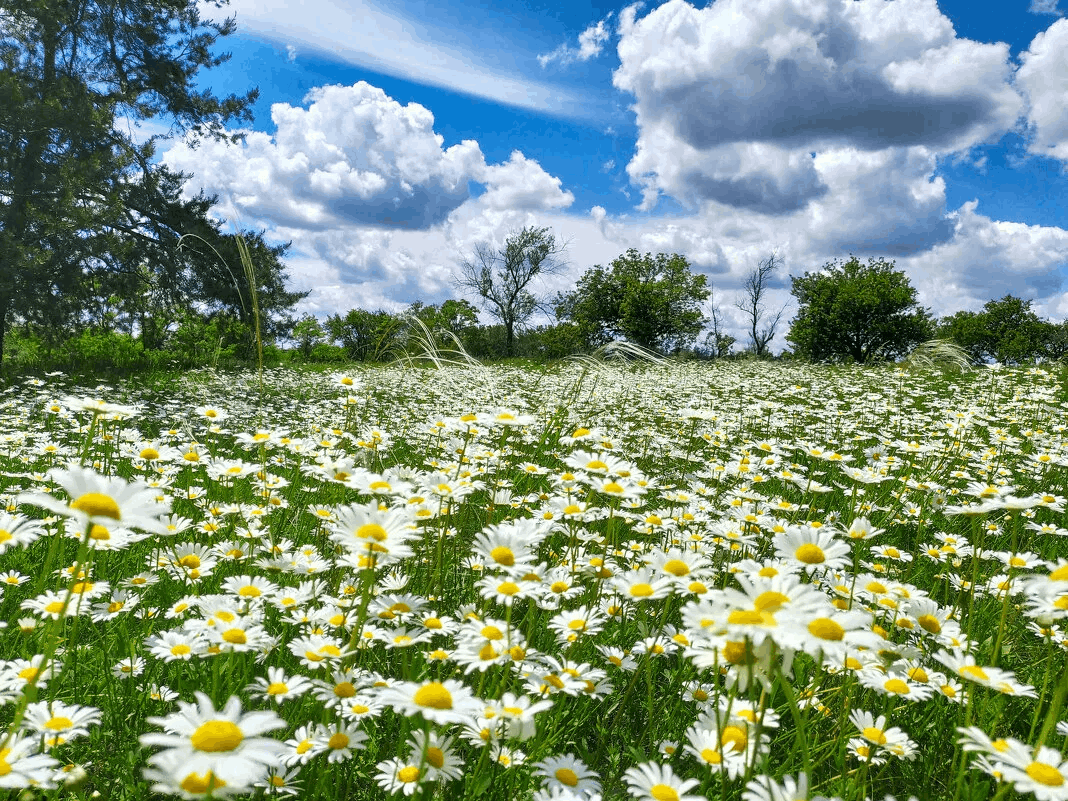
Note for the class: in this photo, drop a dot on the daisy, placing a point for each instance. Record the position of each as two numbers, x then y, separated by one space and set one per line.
279 687
812 548
16 531
223 742
1003 681
21 766
642 585
58 722
342 740
653 782
102 500
517 713
567 772
435 755
306 743
177 644
788 788
439 702
397 776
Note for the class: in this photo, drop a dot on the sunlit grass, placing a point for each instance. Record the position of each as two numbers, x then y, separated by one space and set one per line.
617 576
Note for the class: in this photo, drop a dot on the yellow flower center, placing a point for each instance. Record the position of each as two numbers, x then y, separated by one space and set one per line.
613 487
434 695
235 636
250 591
826 629
676 567
149 453
217 735
54 608
711 756
98 532
190 560
974 672
59 723
929 623
896 686
567 776
371 531
181 649
409 774
874 735
277 688
508 588
810 554
338 740
503 556
770 601
641 590
196 783
344 689
735 737
97 504
1045 774
661 792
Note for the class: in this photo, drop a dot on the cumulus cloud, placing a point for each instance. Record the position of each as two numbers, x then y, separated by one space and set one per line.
732 99
591 43
1043 77
354 157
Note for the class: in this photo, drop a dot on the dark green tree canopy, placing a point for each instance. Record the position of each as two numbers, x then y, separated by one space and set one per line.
1005 330
653 301
68 69
856 312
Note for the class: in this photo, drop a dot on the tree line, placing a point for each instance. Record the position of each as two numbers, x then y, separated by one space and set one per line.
104 259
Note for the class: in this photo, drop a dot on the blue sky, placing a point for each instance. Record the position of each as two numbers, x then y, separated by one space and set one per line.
390 139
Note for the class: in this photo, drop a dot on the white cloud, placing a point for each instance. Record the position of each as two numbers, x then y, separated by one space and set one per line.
354 157
732 99
591 42
1043 77
521 184
291 53
362 33
1044 7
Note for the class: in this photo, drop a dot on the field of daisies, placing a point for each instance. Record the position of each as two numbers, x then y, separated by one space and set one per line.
652 581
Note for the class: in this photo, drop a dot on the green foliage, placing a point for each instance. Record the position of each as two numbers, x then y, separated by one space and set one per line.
366 336
79 213
653 301
1006 331
855 312
502 278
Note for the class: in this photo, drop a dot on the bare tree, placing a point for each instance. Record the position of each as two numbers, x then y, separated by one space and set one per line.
717 341
762 324
501 277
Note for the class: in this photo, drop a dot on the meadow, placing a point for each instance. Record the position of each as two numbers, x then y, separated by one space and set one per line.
663 581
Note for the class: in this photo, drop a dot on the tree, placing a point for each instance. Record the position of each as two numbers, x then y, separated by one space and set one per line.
654 301
857 312
1006 330
367 336
762 325
501 278
67 70
717 342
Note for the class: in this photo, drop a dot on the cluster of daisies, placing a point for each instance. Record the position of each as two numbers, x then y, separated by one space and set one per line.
365 577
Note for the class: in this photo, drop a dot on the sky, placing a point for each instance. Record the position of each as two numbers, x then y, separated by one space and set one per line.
391 139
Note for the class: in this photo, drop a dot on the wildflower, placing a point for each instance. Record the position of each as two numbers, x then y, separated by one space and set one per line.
21 766
399 776
439 702
58 723
436 756
650 781
813 548
567 772
342 740
102 500
222 742
278 687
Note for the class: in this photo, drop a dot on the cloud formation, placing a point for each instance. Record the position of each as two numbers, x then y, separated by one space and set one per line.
732 99
1043 78
591 43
